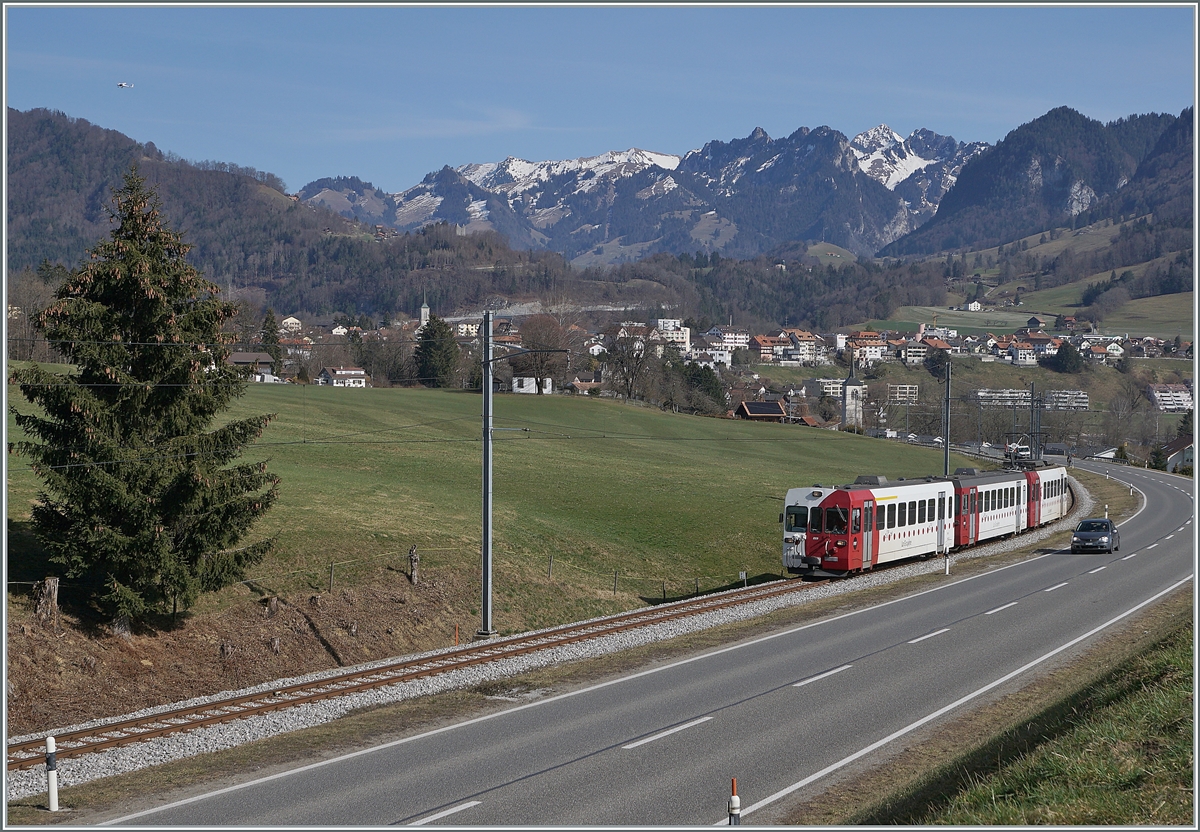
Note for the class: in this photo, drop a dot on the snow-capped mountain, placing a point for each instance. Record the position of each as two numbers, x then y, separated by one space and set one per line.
920 168
742 197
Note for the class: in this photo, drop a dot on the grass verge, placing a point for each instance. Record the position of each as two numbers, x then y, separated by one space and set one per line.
1117 751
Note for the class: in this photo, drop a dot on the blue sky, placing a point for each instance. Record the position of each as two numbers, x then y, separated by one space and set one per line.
391 93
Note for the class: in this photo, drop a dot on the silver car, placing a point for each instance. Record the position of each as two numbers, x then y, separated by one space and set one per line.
1096 534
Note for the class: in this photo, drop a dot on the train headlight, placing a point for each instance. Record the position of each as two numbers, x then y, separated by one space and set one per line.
840 543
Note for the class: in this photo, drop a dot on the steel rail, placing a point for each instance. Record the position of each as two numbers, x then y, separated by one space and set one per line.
30 753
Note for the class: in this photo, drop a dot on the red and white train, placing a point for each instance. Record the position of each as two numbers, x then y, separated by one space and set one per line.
837 531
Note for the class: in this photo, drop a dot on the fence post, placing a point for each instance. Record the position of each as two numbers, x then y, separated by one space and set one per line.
550 570
664 590
614 582
697 586
51 774
330 577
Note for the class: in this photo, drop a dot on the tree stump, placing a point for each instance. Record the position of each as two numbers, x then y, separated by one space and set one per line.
45 601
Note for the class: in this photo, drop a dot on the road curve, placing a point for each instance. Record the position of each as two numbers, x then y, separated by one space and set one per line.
780 712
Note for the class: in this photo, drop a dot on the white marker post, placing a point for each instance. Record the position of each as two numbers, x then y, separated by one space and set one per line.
51 774
735 807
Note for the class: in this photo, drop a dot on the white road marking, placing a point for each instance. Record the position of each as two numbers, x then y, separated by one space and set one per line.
1151 546
1006 606
441 815
1181 528
930 635
822 675
667 732
1127 557
1099 568
863 752
1056 586
1168 537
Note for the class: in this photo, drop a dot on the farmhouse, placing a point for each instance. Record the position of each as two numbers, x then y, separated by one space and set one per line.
342 377
761 411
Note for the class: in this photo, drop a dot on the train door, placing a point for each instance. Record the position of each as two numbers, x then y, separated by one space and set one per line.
972 501
1035 501
941 522
1017 504
868 538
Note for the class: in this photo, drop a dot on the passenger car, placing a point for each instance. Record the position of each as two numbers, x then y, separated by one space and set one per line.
1096 534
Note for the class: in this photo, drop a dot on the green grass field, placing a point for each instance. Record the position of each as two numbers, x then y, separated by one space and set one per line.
599 485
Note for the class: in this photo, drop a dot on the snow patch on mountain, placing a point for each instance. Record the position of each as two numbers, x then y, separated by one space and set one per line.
419 208
884 155
515 176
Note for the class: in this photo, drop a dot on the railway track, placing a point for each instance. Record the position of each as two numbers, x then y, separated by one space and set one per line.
30 753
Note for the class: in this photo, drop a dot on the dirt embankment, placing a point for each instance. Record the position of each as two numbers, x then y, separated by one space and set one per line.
76 668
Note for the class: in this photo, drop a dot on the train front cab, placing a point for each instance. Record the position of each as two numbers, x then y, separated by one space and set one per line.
840 537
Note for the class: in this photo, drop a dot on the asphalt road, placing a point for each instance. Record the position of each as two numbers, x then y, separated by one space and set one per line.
778 713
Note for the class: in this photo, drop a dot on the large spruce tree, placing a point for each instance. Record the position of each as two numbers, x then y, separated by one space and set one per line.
141 500
437 354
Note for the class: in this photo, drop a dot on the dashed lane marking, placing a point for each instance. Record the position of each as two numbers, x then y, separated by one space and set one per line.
1056 586
446 813
1097 569
1006 606
822 675
930 635
667 732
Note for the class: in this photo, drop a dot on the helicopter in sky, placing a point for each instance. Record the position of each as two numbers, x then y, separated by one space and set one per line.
125 84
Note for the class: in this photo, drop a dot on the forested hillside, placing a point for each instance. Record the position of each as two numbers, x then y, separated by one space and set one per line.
1061 168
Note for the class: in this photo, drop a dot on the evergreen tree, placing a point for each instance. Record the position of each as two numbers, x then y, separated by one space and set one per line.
270 341
1185 426
138 500
437 354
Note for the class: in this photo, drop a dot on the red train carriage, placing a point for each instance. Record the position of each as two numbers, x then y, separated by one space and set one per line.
836 531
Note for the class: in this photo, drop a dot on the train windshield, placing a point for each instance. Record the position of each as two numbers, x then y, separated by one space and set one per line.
836 520
796 519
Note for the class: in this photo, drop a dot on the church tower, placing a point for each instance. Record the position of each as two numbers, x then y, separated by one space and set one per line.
853 394
424 311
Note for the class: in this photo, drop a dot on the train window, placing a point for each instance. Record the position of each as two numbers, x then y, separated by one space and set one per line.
958 504
855 520
987 502
814 519
869 519
912 512
1008 498
920 511
881 516
941 508
903 521
835 520
891 520
932 508
797 518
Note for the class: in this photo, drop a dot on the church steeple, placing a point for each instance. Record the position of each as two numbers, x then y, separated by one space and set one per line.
424 310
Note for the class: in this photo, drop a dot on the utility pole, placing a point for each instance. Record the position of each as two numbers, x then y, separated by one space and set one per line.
486 630
485 606
946 422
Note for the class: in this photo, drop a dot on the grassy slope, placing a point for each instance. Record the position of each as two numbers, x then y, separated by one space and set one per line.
1162 317
597 484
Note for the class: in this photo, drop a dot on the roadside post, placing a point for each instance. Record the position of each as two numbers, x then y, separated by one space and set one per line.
735 807
51 774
